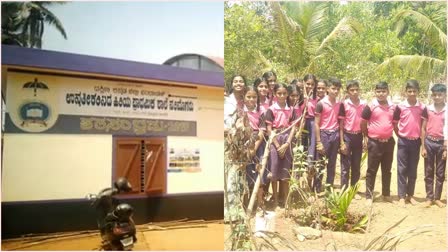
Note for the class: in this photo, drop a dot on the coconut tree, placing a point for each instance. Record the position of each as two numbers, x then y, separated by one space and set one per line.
430 62
23 23
305 33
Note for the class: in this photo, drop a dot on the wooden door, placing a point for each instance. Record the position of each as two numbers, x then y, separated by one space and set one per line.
143 162
155 166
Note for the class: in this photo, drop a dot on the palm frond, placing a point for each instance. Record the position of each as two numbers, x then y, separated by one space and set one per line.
345 26
429 27
50 18
415 64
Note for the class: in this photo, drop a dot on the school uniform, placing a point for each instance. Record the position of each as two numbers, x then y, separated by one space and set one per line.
350 113
434 150
409 119
309 139
329 136
256 122
264 106
280 119
380 146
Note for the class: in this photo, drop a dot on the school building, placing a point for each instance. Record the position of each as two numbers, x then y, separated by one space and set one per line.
74 123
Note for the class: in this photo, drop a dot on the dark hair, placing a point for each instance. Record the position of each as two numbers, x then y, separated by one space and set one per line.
324 82
335 82
412 84
291 88
253 88
352 83
231 82
279 85
382 85
439 88
313 77
257 81
269 74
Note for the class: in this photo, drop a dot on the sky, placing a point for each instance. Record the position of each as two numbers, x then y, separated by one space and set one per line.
150 32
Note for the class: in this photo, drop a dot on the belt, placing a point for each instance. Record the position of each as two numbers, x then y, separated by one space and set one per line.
329 131
435 139
352 132
381 140
411 138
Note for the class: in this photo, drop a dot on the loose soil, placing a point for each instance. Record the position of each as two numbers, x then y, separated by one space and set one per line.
207 236
384 215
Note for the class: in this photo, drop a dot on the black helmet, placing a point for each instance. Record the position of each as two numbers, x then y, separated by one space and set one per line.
123 211
123 184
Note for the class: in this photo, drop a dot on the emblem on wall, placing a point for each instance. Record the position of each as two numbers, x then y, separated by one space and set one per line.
35 111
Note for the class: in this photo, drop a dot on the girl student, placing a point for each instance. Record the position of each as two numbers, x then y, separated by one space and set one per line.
309 139
271 79
262 88
234 101
321 89
278 118
256 122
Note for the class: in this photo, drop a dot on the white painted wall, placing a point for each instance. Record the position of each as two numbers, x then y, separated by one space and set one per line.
212 167
50 167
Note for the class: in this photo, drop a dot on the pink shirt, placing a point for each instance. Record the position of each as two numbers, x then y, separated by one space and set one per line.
379 119
409 119
436 120
352 115
311 107
298 110
329 114
264 106
279 118
254 118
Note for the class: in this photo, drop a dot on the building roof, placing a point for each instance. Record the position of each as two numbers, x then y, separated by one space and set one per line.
215 60
37 58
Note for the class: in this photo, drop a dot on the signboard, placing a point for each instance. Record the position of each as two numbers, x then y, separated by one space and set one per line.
53 104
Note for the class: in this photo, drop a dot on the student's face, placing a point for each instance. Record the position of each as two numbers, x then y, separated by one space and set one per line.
438 97
300 86
238 84
250 99
353 92
271 81
333 91
321 89
309 85
293 97
381 94
281 94
263 89
411 94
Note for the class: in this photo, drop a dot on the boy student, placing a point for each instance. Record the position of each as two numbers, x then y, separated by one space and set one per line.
350 135
327 131
433 146
377 128
407 127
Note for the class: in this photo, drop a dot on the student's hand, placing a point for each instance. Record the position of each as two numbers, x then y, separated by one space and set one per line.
444 155
343 149
282 150
320 148
423 152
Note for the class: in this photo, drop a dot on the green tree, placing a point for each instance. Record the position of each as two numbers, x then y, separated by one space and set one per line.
23 23
429 61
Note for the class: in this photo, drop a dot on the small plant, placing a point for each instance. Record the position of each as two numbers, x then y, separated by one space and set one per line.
338 204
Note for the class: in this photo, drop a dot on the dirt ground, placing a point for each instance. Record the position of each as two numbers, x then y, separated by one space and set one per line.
433 219
206 236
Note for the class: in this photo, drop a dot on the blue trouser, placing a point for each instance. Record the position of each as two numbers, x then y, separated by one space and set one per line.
408 154
309 139
330 141
434 163
352 161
